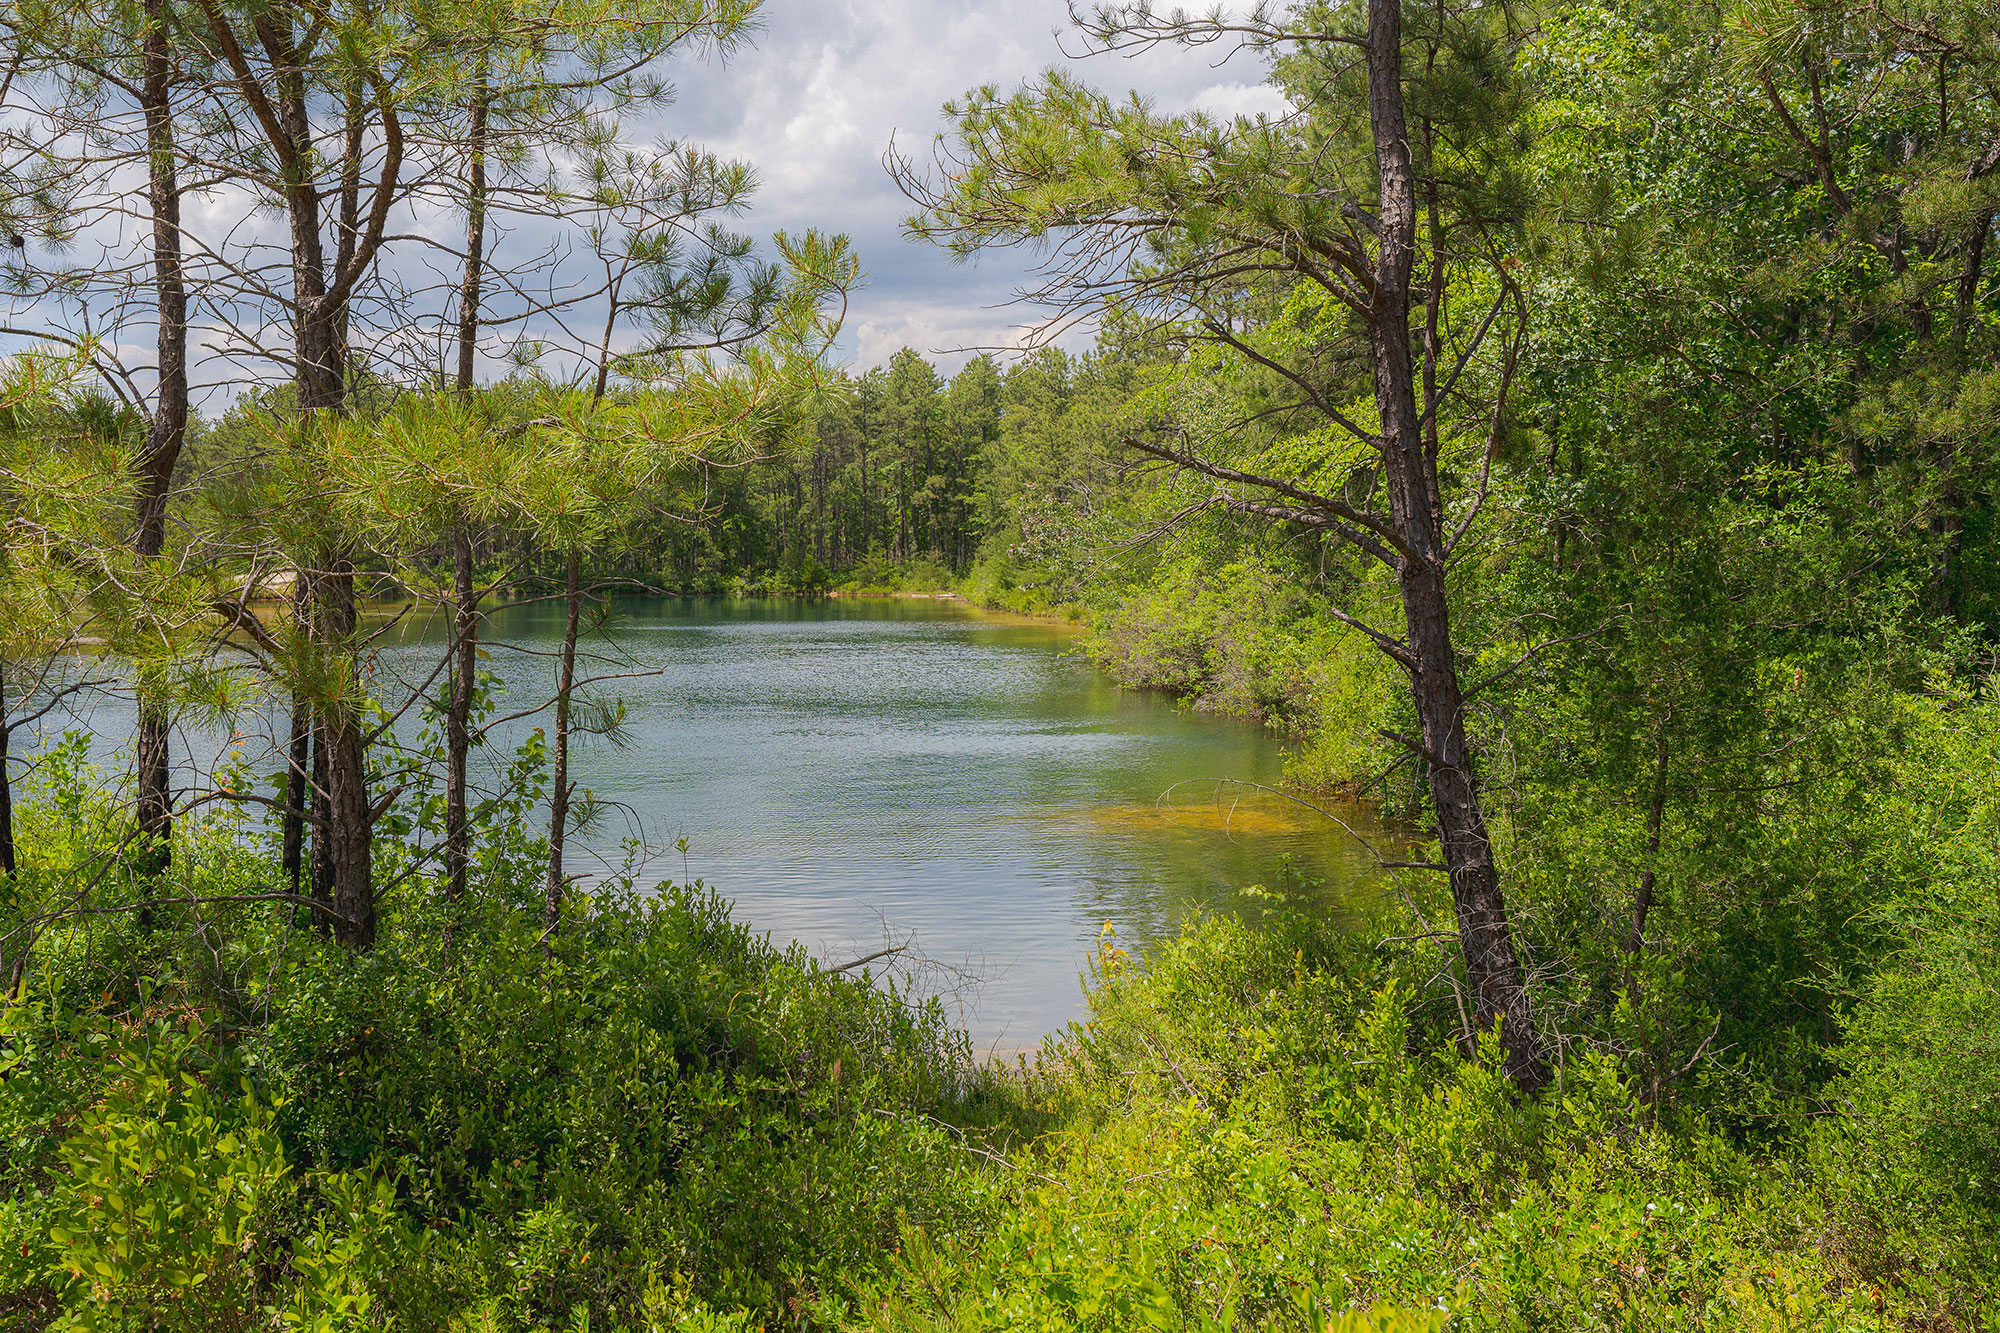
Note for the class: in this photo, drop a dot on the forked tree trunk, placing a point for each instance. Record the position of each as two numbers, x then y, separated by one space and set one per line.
168 431
278 102
1486 944
558 883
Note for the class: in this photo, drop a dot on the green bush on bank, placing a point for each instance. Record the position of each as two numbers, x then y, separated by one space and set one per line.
228 1122
660 1120
1256 1135
1246 639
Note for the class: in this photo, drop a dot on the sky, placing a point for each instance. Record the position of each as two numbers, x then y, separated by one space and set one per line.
812 104
827 86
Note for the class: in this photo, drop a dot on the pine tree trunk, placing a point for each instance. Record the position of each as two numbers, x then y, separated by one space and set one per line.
469 293
10 969
298 781
1485 938
168 432
559 794
465 626
301 772
7 861
347 830
320 872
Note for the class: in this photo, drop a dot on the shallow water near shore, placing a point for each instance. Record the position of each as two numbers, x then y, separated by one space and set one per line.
857 773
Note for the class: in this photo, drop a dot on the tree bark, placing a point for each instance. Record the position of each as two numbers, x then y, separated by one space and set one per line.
301 774
320 872
1485 936
277 101
7 861
558 883
347 829
469 294
168 430
465 600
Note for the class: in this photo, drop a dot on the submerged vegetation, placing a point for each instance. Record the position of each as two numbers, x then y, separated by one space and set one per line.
1573 426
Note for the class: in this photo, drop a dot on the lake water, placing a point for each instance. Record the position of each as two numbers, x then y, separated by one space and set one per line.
857 772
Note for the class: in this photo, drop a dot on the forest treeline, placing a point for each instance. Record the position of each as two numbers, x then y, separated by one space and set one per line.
903 475
1574 425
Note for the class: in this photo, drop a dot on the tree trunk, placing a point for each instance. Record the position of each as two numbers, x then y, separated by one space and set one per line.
298 782
10 969
475 232
302 773
343 824
321 870
7 862
347 827
168 430
464 679
458 717
1485 936
559 792
280 104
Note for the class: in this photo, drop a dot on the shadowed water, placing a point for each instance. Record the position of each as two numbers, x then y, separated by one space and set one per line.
859 771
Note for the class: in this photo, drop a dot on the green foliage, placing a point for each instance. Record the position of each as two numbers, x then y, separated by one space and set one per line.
658 1119
1254 1139
1250 638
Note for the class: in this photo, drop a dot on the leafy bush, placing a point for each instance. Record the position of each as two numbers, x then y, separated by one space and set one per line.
1257 1137
654 1117
1247 640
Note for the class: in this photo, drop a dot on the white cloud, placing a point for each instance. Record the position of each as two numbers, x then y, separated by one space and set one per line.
1229 100
816 103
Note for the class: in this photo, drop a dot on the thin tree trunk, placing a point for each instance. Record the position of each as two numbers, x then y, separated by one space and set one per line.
1486 943
302 773
604 344
458 717
1948 523
298 778
7 862
559 793
348 829
321 870
168 433
464 679
469 294
10 969
1642 901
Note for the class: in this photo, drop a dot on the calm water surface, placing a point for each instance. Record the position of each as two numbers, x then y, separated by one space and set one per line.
854 772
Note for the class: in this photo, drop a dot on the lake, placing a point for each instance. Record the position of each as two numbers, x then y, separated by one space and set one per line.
856 772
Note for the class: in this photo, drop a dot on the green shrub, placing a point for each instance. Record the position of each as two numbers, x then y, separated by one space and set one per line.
1256 1136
